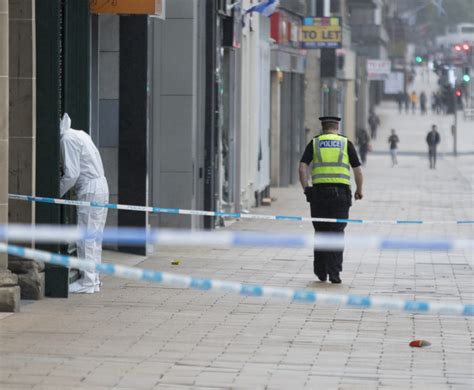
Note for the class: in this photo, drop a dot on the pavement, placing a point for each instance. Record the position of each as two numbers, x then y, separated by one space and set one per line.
145 336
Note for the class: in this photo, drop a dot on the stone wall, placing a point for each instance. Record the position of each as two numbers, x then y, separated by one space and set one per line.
22 136
9 290
22 116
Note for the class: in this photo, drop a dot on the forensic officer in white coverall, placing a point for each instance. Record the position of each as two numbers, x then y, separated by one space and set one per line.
83 170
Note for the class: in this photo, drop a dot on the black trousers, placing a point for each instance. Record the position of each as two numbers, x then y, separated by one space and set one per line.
432 155
329 202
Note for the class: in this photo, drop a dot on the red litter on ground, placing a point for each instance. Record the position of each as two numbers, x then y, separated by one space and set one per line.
419 343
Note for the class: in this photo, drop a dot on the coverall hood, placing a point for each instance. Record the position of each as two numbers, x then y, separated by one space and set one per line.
65 124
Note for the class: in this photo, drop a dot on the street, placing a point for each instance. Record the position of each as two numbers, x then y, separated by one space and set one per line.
145 336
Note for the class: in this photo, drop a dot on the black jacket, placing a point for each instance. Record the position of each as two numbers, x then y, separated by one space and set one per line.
432 139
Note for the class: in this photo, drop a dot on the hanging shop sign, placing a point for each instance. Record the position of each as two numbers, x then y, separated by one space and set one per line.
128 7
321 33
378 69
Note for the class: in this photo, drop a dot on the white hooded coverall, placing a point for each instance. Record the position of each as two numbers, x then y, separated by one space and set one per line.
83 170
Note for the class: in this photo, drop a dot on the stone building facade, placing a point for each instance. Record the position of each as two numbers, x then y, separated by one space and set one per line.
9 289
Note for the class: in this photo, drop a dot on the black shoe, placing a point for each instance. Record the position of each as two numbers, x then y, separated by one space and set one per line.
335 279
322 278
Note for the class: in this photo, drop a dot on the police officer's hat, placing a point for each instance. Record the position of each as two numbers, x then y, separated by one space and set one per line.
329 119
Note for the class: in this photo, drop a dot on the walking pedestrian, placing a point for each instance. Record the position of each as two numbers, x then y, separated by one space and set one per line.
423 103
439 103
331 156
432 139
414 101
363 141
83 170
407 102
393 141
374 122
434 103
400 101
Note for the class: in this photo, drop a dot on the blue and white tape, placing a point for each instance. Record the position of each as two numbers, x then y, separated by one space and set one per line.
226 239
182 281
163 210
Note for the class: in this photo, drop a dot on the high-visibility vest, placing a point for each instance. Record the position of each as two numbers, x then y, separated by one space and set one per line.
330 160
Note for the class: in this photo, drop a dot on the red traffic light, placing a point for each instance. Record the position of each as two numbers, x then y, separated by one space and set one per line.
457 47
458 93
465 47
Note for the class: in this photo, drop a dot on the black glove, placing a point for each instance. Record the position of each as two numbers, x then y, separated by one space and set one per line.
308 192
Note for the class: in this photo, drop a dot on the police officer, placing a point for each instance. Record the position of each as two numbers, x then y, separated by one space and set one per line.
331 156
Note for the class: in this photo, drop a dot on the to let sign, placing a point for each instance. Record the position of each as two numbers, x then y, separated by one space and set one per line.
128 7
378 69
319 33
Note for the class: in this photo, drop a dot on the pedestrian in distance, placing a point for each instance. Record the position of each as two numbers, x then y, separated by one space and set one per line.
423 103
331 156
400 101
407 102
432 139
393 142
414 101
374 122
434 103
82 170
363 141
439 103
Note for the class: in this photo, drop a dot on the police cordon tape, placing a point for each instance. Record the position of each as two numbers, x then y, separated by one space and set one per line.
227 239
163 210
252 290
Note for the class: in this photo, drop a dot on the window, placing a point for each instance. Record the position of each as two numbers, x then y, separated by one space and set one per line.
335 7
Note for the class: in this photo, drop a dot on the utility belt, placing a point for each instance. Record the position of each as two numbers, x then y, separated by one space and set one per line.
328 191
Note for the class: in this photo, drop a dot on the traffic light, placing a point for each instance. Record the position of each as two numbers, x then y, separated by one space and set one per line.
419 59
466 75
462 46
458 92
